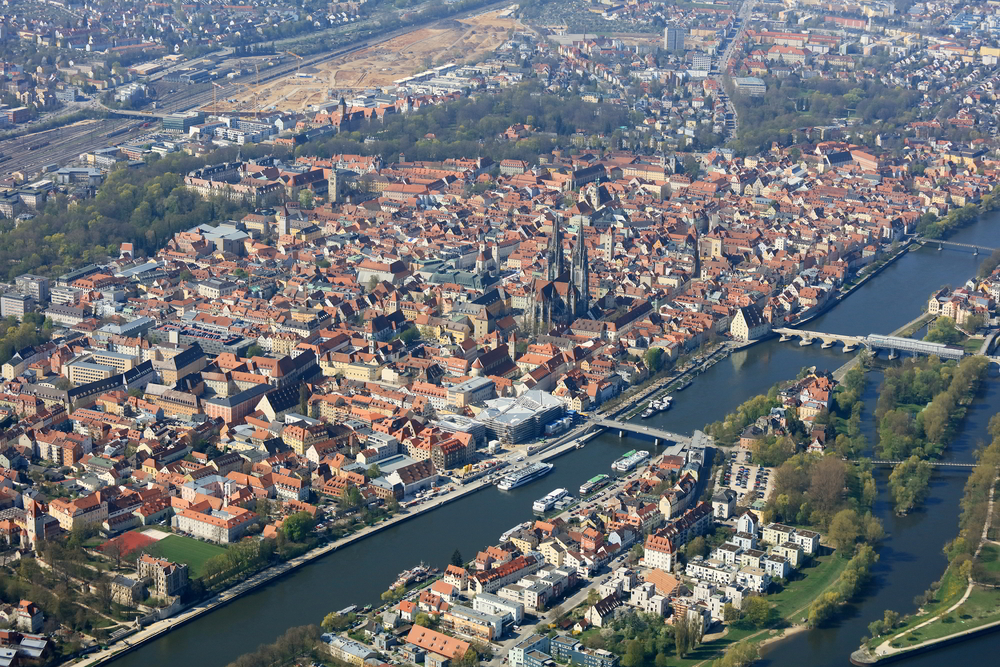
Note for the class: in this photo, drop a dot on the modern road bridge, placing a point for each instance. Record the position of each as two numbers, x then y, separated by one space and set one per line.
658 436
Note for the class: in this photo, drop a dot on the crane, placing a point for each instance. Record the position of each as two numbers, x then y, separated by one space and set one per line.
299 63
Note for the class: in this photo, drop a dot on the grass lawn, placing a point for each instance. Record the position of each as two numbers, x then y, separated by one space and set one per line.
711 650
982 607
185 550
989 558
822 572
951 591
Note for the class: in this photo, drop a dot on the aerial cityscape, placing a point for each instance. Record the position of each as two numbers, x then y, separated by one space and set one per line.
513 334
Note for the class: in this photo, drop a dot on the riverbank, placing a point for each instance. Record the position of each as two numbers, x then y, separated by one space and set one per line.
843 293
978 610
566 443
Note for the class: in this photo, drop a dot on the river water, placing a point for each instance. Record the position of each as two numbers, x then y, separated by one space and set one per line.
910 557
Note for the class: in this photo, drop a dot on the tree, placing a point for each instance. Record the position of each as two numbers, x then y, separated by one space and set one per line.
827 482
696 547
844 531
653 359
636 553
456 558
298 527
254 351
303 399
334 622
103 592
408 335
115 551
305 198
756 611
373 471
943 331
740 654
350 498
422 619
593 597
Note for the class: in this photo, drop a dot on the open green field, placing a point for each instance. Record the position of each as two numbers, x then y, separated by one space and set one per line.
981 608
821 573
182 549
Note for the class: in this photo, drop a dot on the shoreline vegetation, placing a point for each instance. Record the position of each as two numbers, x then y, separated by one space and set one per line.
921 406
967 596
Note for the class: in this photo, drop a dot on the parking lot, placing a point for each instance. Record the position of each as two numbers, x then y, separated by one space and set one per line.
743 477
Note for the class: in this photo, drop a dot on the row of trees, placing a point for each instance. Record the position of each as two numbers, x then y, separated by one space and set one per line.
297 642
852 580
938 228
240 559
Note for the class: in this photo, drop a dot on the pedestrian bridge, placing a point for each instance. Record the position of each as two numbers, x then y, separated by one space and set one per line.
933 464
955 244
874 342
623 429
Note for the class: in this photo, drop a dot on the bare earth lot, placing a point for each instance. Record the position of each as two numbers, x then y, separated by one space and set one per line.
383 63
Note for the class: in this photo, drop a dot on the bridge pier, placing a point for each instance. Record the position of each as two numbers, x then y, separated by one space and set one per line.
621 433
850 347
784 338
805 342
975 252
893 354
828 344
656 442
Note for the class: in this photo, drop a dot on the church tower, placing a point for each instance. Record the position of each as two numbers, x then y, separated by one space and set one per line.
580 272
554 254
334 187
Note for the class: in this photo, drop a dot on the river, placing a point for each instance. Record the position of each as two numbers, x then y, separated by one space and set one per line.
911 556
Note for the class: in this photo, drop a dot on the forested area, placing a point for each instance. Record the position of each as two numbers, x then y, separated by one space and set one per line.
907 428
813 490
145 206
793 103
472 126
34 329
919 409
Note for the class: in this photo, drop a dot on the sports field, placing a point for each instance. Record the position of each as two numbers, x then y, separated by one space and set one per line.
182 549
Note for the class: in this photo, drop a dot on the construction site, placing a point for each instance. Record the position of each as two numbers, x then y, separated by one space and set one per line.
376 66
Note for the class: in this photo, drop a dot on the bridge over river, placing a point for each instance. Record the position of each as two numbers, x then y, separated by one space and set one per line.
874 342
933 464
658 436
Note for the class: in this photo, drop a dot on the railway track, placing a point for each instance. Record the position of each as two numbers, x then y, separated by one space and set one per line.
200 98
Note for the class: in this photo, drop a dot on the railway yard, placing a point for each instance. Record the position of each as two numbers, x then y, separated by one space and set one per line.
366 63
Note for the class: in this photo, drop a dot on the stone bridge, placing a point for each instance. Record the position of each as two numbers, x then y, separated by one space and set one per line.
874 342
